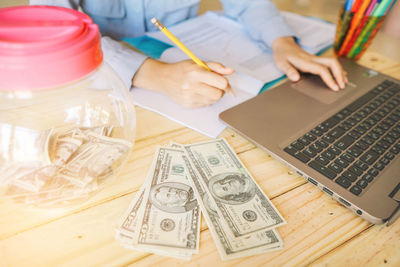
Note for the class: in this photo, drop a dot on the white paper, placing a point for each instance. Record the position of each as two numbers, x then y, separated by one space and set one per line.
213 37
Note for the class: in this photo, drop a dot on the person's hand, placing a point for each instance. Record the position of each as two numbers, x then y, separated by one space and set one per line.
290 58
184 82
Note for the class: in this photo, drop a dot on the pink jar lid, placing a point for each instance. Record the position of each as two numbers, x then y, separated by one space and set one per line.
46 46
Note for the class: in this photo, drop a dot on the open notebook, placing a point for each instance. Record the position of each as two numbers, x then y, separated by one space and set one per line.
214 37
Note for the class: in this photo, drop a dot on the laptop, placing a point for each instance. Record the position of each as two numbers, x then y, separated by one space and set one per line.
346 143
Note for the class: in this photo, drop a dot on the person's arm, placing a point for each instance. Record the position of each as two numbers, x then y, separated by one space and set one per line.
184 82
264 23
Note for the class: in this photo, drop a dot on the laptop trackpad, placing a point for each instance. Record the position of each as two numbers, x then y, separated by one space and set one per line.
314 87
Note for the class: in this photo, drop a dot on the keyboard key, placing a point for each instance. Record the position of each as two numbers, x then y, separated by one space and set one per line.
297 145
344 142
349 158
361 145
373 135
322 160
304 141
322 128
367 140
383 126
378 149
367 177
342 163
345 126
389 121
369 157
351 122
322 143
360 101
327 154
355 134
310 152
345 112
389 139
395 150
310 137
361 130
389 155
350 176
343 182
384 161
379 166
356 190
322 169
335 167
336 133
317 132
362 183
354 151
355 170
383 144
370 122
365 126
394 117
328 138
362 114
394 134
361 165
297 154
332 121
316 147
334 150
373 172
290 149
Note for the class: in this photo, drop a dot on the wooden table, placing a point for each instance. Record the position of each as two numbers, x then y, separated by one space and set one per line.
319 230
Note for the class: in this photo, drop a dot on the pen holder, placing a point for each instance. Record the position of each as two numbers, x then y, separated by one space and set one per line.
355 32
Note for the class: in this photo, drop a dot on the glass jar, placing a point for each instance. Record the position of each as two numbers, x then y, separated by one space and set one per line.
67 122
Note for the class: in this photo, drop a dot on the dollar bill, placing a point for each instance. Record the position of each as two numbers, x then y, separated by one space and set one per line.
93 158
170 216
228 245
126 232
233 192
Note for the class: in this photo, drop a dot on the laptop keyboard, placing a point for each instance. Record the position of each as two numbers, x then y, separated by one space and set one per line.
353 146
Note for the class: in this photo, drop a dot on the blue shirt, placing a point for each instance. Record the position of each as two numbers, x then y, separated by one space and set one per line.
132 18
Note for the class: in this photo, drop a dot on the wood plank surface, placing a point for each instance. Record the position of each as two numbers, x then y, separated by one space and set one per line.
319 231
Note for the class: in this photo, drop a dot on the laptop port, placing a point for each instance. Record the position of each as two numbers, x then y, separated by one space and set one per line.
327 191
311 180
344 202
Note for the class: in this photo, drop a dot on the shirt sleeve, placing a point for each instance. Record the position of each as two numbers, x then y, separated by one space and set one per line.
261 18
122 59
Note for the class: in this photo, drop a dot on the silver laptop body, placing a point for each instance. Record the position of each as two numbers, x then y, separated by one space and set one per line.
346 143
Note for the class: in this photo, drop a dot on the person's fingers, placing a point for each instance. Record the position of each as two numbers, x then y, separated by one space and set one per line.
219 68
197 100
288 69
210 78
208 92
335 67
316 68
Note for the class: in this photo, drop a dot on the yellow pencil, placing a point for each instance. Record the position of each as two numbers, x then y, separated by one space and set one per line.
172 37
